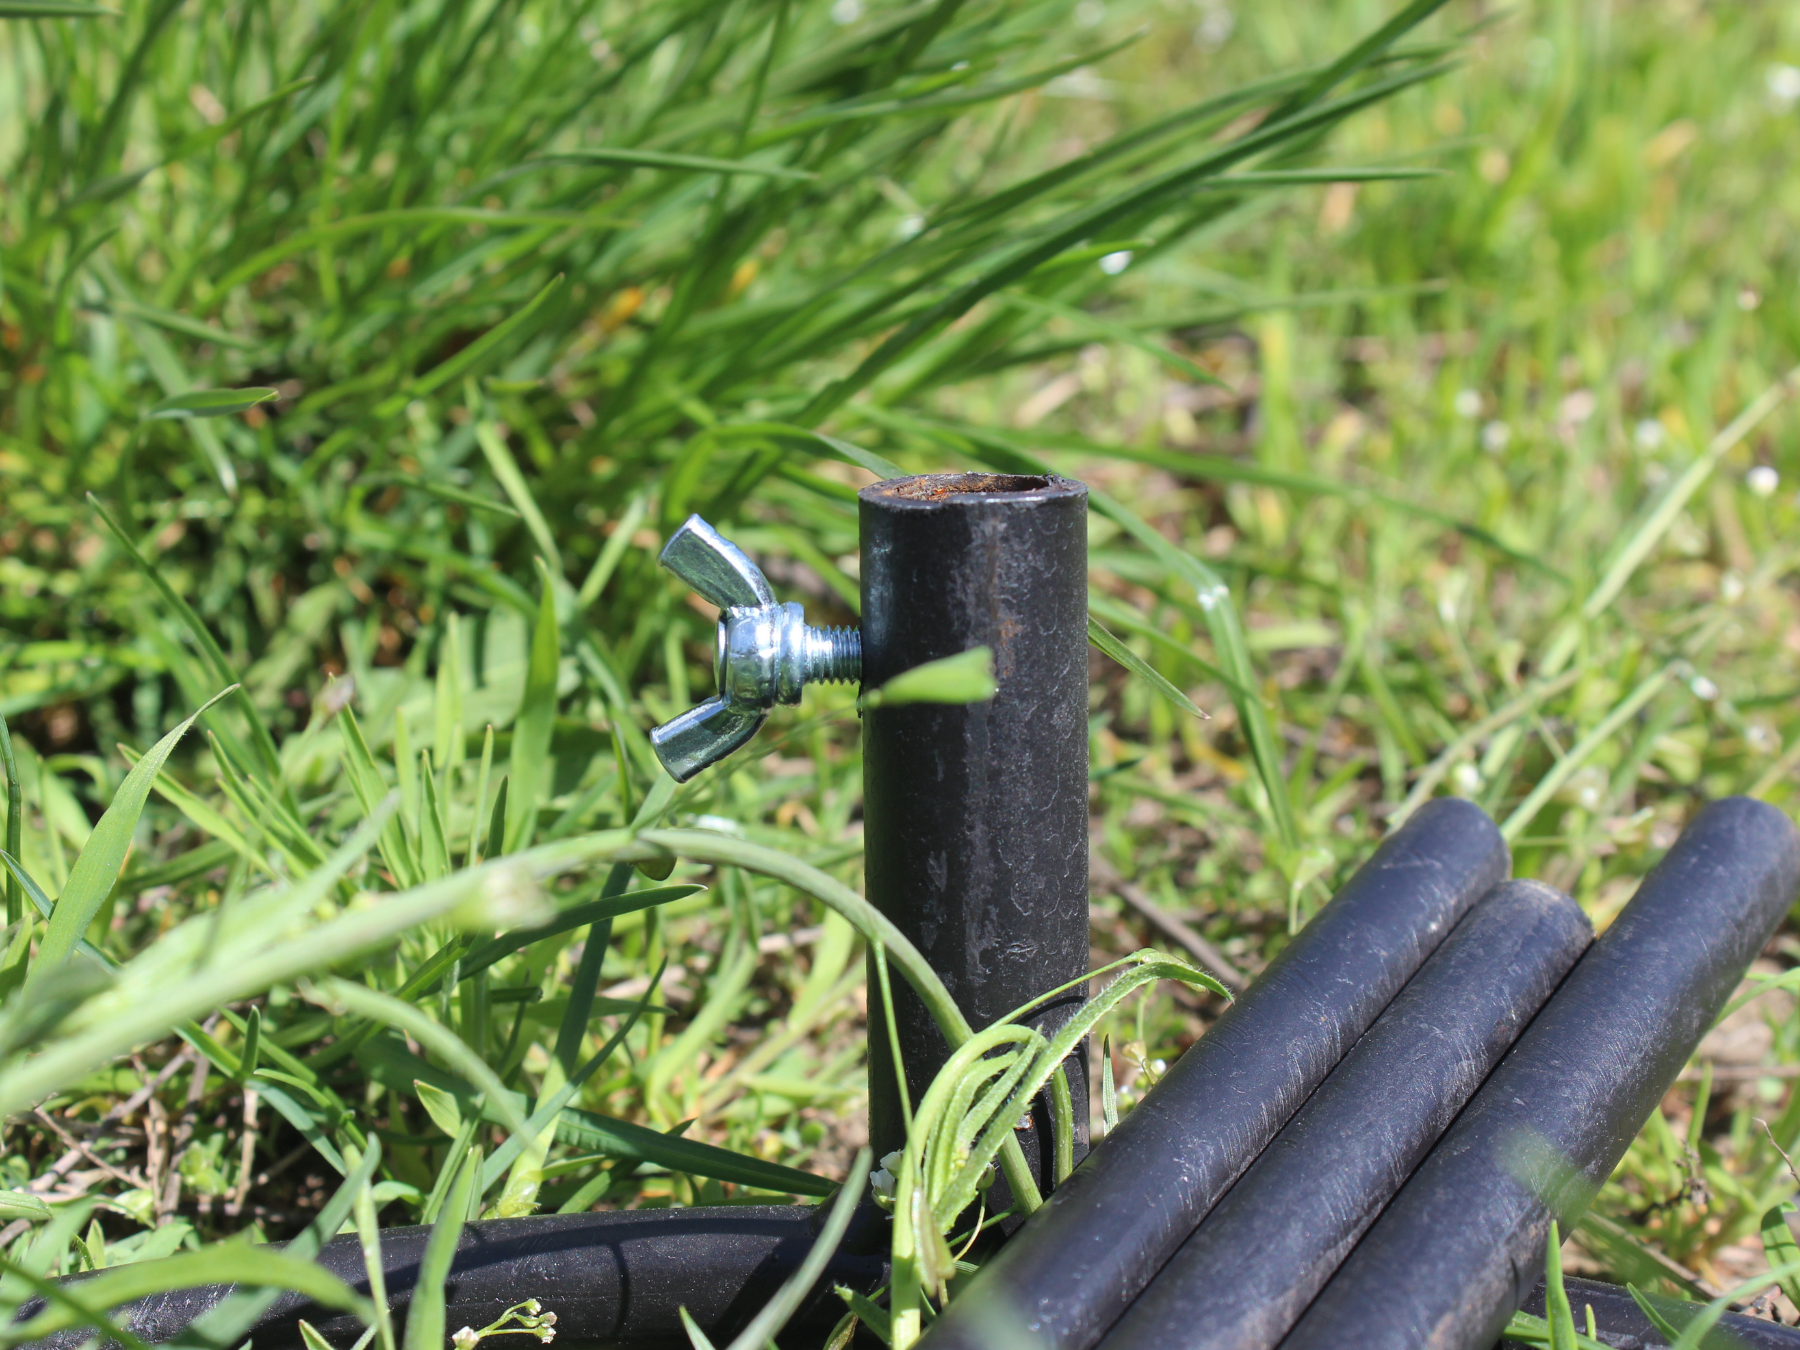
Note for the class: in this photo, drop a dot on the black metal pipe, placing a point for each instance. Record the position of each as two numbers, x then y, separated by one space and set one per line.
1623 1326
1463 1242
1251 1267
1078 1262
976 815
613 1279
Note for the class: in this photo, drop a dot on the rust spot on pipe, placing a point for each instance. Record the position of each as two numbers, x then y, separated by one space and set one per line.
937 487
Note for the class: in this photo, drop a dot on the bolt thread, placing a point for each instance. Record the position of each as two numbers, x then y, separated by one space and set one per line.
833 655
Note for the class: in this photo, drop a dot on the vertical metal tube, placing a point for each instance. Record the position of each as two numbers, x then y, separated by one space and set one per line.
1449 1260
976 814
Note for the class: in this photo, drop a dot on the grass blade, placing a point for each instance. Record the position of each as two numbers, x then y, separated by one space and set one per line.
434 1036
1118 651
1556 1299
471 357
202 635
967 677
774 1315
97 869
389 1061
622 157
425 1314
15 819
229 1321
603 909
506 470
54 9
1637 545
587 976
1580 752
209 403
529 774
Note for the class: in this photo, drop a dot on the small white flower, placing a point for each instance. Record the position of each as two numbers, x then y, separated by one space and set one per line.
1495 437
465 1339
909 226
1467 403
1704 689
1114 263
1749 298
1731 588
1649 434
1467 778
881 1180
1578 406
1763 480
1216 25
1783 83
846 12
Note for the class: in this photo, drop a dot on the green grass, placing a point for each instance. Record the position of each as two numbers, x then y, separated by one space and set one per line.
1473 455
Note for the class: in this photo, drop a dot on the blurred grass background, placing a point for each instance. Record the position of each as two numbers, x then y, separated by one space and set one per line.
1467 449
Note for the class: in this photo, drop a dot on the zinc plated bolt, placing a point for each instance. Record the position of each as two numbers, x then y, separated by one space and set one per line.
766 652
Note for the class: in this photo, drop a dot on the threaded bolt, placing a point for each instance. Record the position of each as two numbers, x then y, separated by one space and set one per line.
833 655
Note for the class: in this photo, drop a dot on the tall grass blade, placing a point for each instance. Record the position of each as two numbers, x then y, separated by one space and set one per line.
96 870
15 819
774 1315
1106 643
425 1314
529 774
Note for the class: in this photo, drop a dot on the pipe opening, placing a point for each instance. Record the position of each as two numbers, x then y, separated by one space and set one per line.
936 487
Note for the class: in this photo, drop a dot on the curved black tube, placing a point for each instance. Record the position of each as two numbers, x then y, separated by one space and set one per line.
615 1279
1463 1242
1624 1327
1255 1262
1077 1263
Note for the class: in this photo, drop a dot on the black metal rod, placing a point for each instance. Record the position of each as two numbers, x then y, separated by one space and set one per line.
1077 1264
1463 1242
976 815
618 1279
1255 1262
1622 1324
